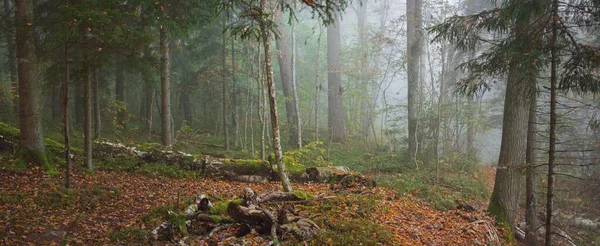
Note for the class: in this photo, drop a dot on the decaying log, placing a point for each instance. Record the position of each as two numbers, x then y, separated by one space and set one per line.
250 215
323 174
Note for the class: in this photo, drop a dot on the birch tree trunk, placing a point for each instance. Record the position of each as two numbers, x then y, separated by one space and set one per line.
298 120
287 186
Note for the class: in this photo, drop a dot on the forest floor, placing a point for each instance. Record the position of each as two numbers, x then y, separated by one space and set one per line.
105 207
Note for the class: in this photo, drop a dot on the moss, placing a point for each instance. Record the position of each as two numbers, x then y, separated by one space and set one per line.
149 146
36 157
496 209
303 195
9 131
219 208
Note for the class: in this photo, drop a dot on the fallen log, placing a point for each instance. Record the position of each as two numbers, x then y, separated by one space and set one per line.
324 174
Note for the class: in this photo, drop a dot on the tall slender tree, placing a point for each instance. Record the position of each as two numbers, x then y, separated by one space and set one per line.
266 39
167 129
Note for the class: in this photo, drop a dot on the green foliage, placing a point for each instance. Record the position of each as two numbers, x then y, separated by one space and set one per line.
114 110
156 216
178 219
303 195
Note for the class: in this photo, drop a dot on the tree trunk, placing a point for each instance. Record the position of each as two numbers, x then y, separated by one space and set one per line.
298 120
87 121
531 189
186 106
505 197
234 99
413 27
79 102
66 119
12 64
97 118
470 127
364 80
32 146
319 86
287 186
167 135
552 142
120 91
285 71
336 116
149 92
224 74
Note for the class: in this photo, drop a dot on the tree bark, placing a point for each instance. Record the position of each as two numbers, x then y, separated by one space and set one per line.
336 116
30 122
298 120
120 91
97 117
285 71
87 121
470 127
186 106
287 186
149 91
234 99
531 189
167 131
318 85
66 119
414 45
224 74
366 118
553 116
504 200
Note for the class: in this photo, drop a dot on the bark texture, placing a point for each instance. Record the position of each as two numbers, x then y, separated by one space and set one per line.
120 91
414 46
287 186
30 122
531 189
167 131
336 121
87 121
505 196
